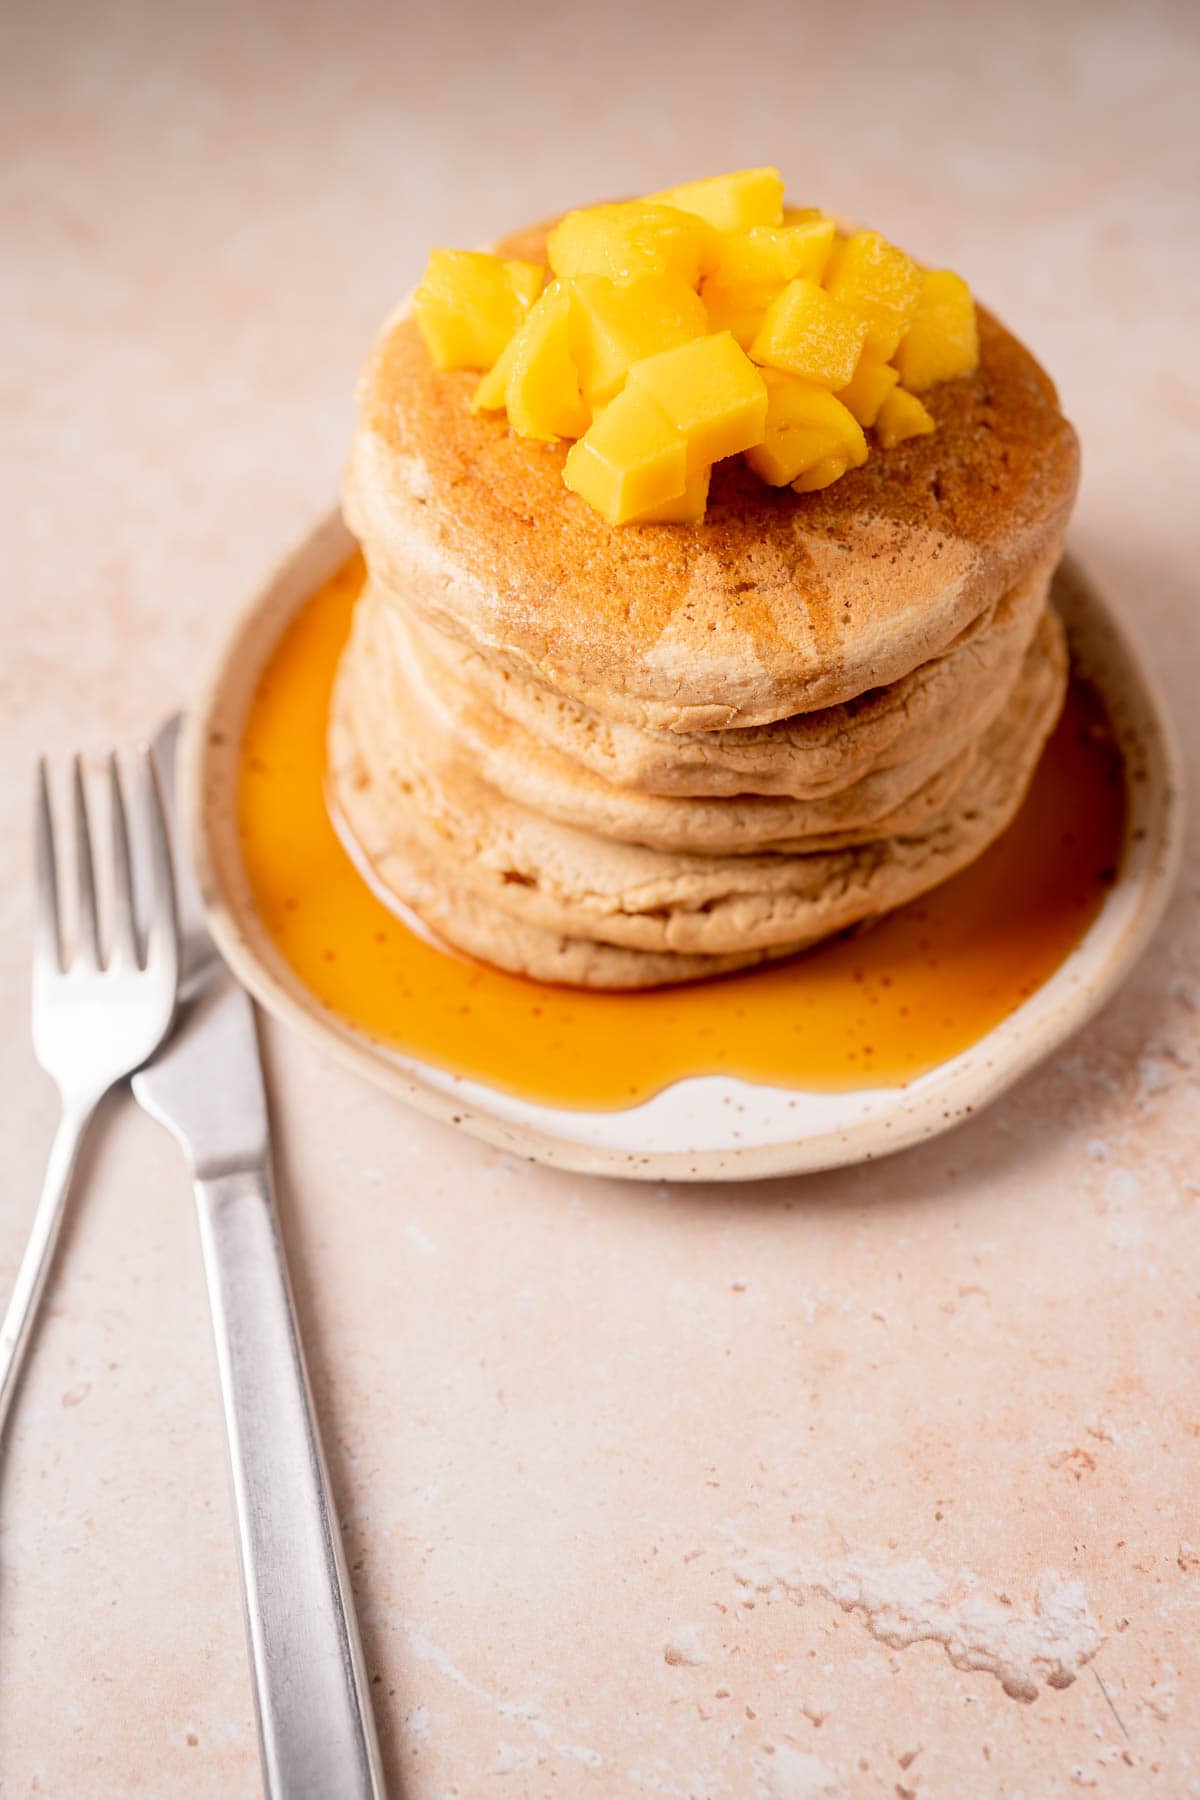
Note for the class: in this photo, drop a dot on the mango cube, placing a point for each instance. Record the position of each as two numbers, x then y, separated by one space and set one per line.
867 390
542 393
942 341
632 237
773 254
710 391
687 509
880 283
822 474
805 425
731 202
615 324
902 416
809 333
630 459
739 311
469 304
491 392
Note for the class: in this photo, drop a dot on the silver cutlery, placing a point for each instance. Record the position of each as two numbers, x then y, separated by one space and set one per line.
316 1731
99 1009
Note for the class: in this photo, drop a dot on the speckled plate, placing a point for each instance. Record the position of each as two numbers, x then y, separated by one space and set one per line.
714 1127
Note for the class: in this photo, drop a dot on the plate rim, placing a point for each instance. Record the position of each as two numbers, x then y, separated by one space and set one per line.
207 790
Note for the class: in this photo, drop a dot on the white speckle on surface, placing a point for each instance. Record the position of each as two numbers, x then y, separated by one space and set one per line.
1125 1234
907 1603
510 1760
1121 1187
416 1724
524 1712
420 1242
786 1773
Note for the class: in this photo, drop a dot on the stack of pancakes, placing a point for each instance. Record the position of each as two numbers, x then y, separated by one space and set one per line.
622 756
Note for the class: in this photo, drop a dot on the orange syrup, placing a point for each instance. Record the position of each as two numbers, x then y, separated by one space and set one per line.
875 1009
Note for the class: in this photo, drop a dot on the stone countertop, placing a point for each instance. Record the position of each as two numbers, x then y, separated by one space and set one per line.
876 1483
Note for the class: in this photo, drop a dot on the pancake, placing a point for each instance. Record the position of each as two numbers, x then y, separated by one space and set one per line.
409 866
777 604
938 708
439 739
446 851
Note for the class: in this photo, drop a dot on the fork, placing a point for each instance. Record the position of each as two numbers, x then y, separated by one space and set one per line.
97 1014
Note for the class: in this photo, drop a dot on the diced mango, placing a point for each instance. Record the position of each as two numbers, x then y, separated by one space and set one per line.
740 311
809 333
805 425
631 458
902 416
687 509
543 395
869 387
942 341
800 338
731 202
879 282
469 304
823 474
772 254
491 393
710 391
615 324
632 237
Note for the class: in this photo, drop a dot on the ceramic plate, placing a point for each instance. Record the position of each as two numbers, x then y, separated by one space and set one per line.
715 1127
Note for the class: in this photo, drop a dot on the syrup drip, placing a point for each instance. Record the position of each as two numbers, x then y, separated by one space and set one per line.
876 1009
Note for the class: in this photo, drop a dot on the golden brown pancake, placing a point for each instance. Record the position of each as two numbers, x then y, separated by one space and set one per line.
937 709
441 736
451 846
778 603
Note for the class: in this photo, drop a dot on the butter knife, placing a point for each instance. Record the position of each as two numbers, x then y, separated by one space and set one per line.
316 1731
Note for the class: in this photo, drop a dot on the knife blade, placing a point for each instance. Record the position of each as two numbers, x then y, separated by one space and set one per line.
316 1731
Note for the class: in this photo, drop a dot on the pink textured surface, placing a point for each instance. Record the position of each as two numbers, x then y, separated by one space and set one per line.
593 1444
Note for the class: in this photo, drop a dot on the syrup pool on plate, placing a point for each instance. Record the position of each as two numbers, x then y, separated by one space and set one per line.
872 1010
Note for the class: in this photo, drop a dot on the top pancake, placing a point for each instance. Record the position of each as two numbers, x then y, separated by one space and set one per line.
778 603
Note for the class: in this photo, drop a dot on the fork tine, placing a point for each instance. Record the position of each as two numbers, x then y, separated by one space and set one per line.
87 924
162 927
124 934
47 932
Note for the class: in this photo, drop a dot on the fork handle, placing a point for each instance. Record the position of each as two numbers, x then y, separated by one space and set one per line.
314 1715
39 1249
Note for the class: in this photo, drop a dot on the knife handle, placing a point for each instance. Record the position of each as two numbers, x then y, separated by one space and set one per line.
314 1713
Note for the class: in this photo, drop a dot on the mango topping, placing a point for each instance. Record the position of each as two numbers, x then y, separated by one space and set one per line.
542 392
879 283
712 394
942 340
630 459
702 322
731 202
469 304
686 509
902 416
806 426
635 237
810 334
770 254
617 324
868 388
739 311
